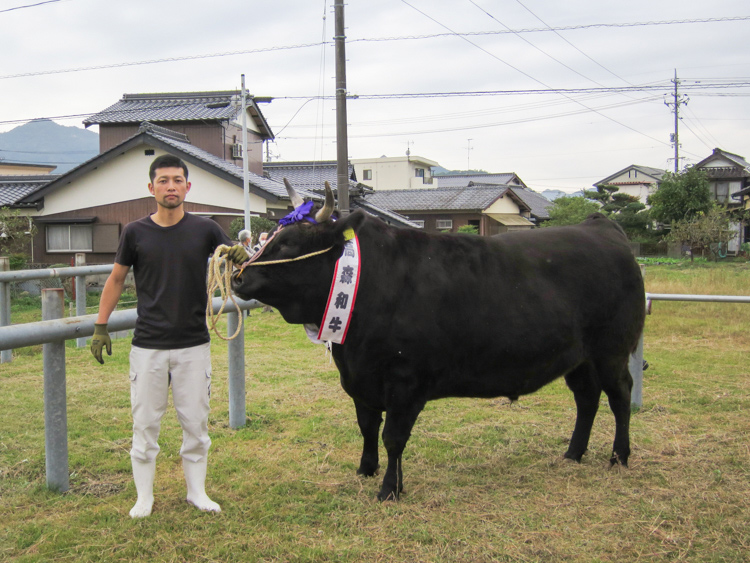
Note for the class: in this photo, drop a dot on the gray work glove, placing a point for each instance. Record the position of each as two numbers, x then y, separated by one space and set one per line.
99 341
237 254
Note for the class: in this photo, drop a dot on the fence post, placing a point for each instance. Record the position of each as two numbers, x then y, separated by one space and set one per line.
55 406
80 294
636 372
6 355
236 350
636 365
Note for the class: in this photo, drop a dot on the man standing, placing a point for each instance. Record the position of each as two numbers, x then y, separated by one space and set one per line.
246 241
169 253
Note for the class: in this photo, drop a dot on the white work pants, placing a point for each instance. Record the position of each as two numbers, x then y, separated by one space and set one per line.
189 372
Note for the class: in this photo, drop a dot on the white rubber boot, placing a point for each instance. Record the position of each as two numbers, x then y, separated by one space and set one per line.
195 477
143 475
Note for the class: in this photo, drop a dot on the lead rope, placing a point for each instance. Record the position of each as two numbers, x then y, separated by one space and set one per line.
221 280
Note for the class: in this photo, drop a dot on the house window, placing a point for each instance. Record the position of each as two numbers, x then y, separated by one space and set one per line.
70 238
419 223
367 174
444 224
721 191
419 172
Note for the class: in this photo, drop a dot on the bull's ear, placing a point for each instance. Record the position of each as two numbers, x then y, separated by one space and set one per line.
354 221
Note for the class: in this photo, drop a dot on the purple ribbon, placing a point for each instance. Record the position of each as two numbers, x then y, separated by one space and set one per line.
301 213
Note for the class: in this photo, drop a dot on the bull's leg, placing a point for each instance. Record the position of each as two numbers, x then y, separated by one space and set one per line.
617 384
586 391
369 425
398 425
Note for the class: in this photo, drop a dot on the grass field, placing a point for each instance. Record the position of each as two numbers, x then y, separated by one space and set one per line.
484 479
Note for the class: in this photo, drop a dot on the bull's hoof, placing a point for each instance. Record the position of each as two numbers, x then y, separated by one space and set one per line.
388 496
573 457
367 471
617 461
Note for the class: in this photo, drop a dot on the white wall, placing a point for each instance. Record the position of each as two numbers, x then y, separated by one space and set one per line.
126 178
504 205
393 173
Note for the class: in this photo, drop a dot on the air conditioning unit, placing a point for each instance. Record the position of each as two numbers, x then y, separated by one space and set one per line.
236 150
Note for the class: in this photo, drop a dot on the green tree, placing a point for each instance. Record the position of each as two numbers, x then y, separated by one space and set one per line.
570 210
468 229
705 231
625 209
681 196
16 234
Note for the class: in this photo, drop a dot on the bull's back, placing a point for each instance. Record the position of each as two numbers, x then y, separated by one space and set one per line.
503 315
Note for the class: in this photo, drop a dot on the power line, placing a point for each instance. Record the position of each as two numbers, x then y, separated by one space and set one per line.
613 120
545 53
569 43
695 89
29 6
167 60
369 39
485 125
558 28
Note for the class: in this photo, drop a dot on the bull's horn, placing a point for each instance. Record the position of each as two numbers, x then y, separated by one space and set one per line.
293 195
324 213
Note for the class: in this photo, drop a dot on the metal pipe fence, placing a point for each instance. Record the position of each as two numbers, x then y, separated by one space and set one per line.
53 331
636 360
79 272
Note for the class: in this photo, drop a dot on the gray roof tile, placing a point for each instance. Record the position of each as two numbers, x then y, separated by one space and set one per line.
438 199
307 175
190 106
537 202
177 141
462 181
14 188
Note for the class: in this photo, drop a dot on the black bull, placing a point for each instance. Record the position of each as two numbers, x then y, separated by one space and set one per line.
466 316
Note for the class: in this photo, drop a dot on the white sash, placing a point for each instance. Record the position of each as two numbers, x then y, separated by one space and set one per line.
343 293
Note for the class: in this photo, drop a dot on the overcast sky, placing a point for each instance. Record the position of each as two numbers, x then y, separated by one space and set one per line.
569 140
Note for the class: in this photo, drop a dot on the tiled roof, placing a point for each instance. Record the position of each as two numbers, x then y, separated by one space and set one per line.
180 106
536 201
462 181
312 176
179 142
386 214
14 188
655 173
190 106
168 139
307 175
438 199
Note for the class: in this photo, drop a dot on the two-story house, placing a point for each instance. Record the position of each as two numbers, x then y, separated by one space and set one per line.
635 180
728 174
211 120
395 172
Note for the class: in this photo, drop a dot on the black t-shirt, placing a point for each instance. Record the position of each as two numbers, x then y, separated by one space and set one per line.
170 266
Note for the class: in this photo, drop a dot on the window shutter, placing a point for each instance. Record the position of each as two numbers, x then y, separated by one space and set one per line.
106 237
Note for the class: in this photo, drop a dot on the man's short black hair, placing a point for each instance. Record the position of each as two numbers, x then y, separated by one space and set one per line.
166 161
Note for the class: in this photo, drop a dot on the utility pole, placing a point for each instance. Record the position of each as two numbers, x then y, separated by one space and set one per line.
675 104
468 154
245 179
342 138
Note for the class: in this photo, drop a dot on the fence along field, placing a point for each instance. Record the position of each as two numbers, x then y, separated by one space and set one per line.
487 480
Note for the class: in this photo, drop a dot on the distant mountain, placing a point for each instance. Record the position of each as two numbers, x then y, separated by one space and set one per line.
43 141
440 171
552 195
